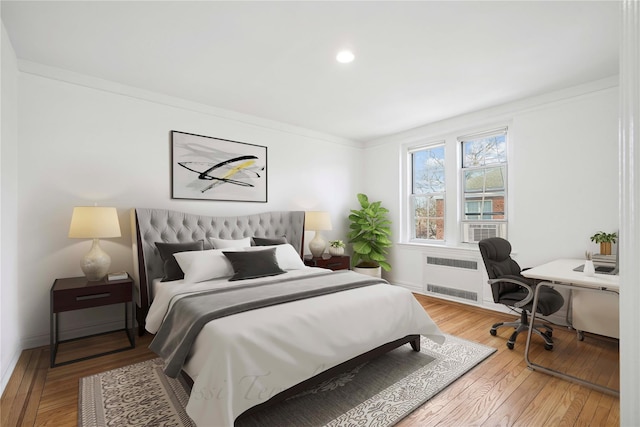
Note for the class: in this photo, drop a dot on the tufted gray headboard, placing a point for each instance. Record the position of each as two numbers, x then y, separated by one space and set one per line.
160 225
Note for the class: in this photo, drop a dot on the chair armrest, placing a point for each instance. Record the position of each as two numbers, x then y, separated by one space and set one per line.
517 281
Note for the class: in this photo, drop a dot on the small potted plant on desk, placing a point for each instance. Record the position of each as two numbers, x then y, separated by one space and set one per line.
605 240
336 247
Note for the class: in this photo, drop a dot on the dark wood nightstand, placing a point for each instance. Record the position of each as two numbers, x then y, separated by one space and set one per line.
330 262
75 293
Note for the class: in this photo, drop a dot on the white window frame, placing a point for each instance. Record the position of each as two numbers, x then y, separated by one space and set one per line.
454 208
411 197
487 227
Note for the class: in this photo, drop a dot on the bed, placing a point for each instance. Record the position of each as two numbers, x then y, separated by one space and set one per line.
247 359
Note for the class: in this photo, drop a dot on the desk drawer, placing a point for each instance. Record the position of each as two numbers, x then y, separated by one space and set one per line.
94 296
597 313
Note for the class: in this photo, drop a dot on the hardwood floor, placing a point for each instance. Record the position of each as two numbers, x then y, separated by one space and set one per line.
500 391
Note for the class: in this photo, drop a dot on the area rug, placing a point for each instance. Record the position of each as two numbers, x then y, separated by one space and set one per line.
380 392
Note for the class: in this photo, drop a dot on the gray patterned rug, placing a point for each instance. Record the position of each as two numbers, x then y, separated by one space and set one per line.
380 392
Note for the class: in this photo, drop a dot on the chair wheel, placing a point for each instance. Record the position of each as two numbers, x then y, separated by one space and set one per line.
493 332
549 333
510 345
548 346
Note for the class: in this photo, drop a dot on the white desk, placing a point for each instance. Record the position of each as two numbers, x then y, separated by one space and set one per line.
560 274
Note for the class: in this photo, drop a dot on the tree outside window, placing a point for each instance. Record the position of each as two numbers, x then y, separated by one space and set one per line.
484 185
428 192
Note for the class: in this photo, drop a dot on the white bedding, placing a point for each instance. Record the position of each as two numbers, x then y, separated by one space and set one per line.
243 360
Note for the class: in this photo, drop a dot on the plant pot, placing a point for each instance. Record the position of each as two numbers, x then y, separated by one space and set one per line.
336 251
605 248
369 271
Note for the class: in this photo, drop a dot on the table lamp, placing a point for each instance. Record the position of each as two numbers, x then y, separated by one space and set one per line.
317 221
94 222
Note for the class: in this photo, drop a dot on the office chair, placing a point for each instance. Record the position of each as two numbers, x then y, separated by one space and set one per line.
512 289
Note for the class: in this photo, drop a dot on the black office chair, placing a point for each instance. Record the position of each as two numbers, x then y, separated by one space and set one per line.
512 289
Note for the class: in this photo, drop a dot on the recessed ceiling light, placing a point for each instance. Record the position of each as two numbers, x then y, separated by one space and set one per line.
345 56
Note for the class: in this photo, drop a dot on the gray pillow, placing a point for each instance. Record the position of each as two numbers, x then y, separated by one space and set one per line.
269 241
250 265
172 270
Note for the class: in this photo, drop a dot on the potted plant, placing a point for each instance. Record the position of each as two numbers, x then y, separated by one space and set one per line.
369 232
605 240
336 247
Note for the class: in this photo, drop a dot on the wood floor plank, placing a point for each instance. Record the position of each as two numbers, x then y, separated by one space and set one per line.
499 391
546 406
517 402
23 393
37 388
10 394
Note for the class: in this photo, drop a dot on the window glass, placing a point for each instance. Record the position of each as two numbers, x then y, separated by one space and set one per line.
482 151
484 186
427 193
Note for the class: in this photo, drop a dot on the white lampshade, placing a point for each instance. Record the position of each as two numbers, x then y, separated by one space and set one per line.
317 220
94 222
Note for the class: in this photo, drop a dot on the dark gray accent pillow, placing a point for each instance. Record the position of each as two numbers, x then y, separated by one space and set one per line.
172 270
269 241
250 265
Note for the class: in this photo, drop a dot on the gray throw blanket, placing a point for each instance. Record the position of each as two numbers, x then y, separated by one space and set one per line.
189 314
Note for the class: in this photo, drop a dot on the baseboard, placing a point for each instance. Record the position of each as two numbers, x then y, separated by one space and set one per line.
419 290
558 318
412 287
6 375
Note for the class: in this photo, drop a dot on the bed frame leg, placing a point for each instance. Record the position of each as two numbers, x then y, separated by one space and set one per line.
140 317
415 344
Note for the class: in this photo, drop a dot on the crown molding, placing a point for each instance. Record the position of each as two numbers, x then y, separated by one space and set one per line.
96 83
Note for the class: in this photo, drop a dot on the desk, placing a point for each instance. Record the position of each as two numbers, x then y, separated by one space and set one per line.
561 275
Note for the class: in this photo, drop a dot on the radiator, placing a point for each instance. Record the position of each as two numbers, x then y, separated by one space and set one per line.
453 277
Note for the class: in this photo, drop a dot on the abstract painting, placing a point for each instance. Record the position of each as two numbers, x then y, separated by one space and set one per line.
209 168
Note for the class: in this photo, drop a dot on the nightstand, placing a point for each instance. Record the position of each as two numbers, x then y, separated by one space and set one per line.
330 262
75 293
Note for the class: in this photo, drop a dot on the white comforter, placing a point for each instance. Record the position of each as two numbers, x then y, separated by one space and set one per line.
243 360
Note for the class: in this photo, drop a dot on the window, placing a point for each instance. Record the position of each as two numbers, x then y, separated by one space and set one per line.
456 188
484 185
427 199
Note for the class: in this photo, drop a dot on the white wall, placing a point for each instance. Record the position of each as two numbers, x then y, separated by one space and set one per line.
9 317
563 171
80 145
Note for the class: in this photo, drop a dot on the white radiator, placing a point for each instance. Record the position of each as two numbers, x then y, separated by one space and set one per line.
453 276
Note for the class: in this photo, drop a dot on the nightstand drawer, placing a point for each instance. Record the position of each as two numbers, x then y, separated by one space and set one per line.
332 263
91 296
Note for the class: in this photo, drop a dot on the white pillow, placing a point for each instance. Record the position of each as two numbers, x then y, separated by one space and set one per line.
203 265
286 255
229 244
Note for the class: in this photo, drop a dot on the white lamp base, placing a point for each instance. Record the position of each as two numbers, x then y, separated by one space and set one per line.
95 264
317 245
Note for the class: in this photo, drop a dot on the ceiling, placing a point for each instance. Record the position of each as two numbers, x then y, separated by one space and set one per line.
416 62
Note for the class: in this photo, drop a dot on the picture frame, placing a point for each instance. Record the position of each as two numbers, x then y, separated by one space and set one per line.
208 168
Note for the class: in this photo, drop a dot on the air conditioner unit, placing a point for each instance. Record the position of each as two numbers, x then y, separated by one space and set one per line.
478 232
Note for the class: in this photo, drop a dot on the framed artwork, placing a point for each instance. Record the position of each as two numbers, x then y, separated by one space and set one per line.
207 168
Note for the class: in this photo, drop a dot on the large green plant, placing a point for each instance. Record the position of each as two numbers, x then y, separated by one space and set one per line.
369 232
